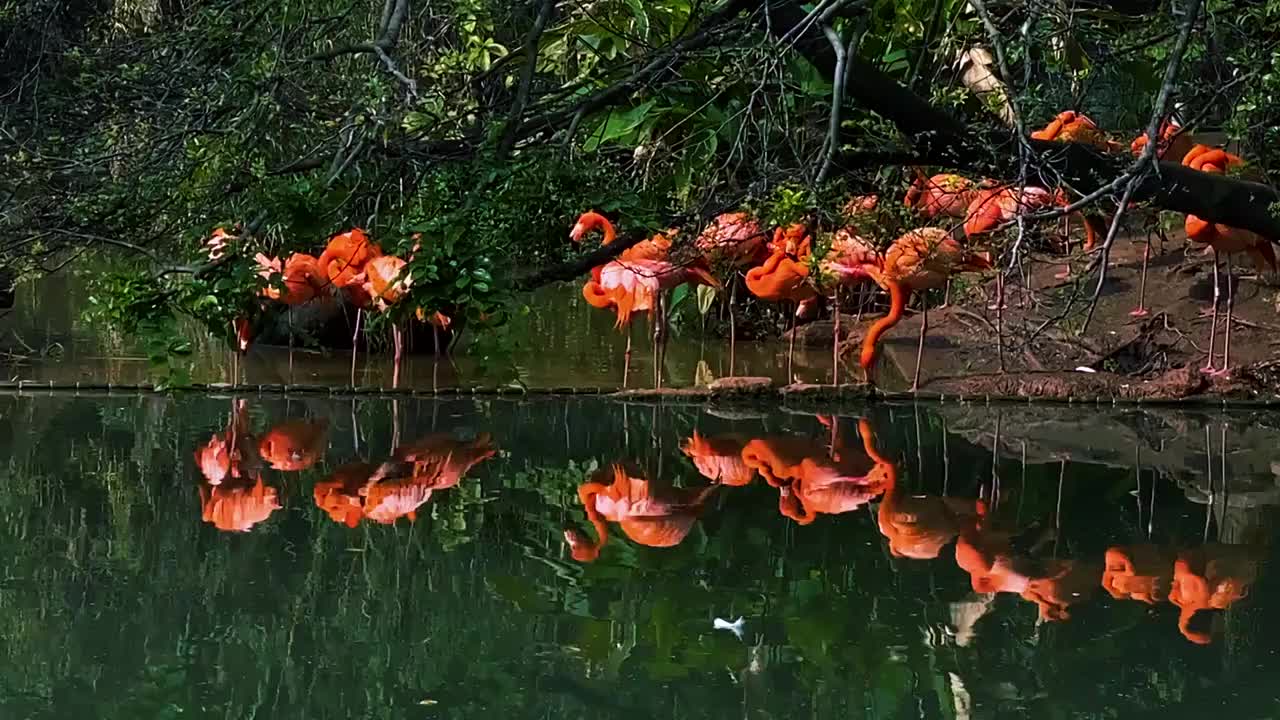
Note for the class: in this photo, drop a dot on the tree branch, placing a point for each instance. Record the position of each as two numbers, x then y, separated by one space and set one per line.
526 78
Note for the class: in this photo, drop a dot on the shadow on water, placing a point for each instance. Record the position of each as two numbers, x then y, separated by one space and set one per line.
236 557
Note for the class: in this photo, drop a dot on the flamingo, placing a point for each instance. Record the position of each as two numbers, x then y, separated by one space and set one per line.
1070 126
647 515
992 207
342 262
785 275
302 278
945 195
1223 240
1052 584
922 259
846 263
636 281
738 240
1174 143
386 282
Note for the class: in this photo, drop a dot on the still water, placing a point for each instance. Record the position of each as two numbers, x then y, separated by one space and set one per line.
280 558
561 341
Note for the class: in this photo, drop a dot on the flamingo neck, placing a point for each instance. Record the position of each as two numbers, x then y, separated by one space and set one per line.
897 305
592 220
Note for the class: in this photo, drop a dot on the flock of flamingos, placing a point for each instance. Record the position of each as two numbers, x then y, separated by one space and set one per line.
781 267
812 477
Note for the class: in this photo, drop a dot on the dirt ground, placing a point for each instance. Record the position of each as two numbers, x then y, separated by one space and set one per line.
1036 335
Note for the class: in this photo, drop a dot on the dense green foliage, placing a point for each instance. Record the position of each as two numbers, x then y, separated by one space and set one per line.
139 126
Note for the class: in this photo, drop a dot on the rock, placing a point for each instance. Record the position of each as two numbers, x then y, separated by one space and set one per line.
740 385
1174 384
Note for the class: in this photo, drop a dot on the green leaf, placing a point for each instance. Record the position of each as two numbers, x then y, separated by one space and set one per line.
618 125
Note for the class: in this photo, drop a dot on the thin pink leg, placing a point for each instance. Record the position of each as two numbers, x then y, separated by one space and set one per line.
1213 323
1141 310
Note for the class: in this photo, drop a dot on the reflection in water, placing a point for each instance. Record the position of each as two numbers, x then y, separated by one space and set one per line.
294 445
398 487
934 574
1208 578
649 514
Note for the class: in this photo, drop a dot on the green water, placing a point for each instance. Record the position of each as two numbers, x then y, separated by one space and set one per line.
562 341
121 597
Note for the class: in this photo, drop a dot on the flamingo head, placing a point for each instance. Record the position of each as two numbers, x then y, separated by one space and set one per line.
588 221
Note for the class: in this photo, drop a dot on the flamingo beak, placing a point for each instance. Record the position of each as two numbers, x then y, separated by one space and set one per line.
577 232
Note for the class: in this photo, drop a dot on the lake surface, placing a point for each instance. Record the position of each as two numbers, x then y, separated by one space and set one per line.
311 558
560 342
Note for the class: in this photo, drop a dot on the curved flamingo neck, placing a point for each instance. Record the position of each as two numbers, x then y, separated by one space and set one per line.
592 220
897 306
587 494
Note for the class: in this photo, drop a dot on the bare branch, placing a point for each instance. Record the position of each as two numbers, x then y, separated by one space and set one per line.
526 78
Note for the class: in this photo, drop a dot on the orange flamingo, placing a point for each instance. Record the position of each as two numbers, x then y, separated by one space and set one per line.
1212 577
342 262
302 278
920 260
294 445
992 207
1174 143
719 458
785 275
636 281
945 195
1053 585
386 282
656 517
1223 240
1070 126
846 263
735 239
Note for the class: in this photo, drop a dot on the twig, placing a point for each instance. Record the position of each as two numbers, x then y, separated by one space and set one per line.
410 84
1147 160
832 144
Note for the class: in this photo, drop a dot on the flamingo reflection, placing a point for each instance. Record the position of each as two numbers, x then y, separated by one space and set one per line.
919 526
237 506
230 453
294 445
648 514
996 565
1141 572
813 480
719 458
398 487
1212 577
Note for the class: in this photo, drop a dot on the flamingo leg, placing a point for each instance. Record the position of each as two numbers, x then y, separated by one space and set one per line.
1213 322
791 343
398 339
1141 310
657 337
733 330
946 294
626 358
355 347
665 328
924 327
1226 344
835 339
